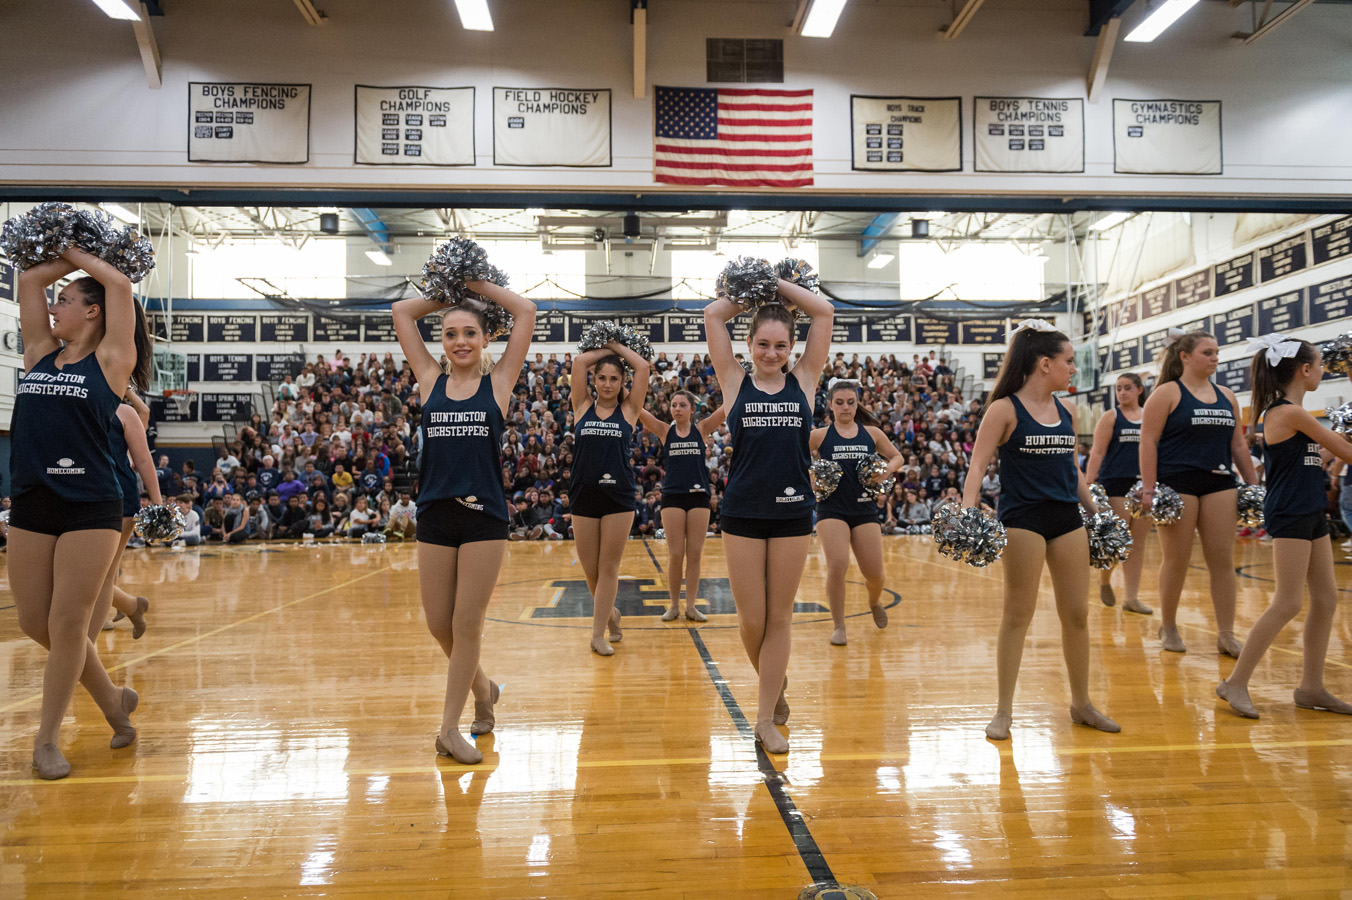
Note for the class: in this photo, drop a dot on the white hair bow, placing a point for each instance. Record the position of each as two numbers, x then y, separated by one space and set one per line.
1174 335
849 382
1031 325
1278 347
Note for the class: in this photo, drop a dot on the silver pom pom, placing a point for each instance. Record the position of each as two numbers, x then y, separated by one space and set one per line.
1109 539
50 229
871 468
825 477
598 334
1340 418
748 282
159 523
660 534
1165 509
373 537
1250 502
451 266
1337 354
800 272
972 535
1100 495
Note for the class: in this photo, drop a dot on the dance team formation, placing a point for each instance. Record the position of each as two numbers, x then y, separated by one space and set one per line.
728 441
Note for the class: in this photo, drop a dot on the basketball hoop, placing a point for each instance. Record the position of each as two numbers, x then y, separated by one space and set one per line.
182 400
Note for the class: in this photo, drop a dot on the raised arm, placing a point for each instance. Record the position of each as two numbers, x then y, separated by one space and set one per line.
577 379
633 402
508 367
116 353
652 424
135 435
406 314
1103 435
996 426
727 370
817 348
34 322
709 424
1339 445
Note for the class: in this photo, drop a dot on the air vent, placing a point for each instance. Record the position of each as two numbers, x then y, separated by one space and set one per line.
738 60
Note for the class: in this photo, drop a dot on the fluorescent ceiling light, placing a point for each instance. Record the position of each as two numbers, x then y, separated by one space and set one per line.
820 20
118 211
379 257
880 259
474 15
1112 220
1164 15
118 9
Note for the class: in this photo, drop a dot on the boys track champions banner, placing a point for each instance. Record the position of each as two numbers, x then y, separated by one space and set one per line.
245 122
551 127
1167 137
414 126
1028 134
906 134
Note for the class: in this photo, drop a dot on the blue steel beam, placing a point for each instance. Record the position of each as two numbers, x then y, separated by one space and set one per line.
875 231
376 229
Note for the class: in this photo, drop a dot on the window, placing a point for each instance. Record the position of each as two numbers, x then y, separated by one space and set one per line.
744 61
316 270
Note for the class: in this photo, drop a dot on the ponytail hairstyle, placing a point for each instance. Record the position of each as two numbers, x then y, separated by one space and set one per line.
861 415
92 292
1171 368
477 311
1028 346
612 359
1270 382
1136 380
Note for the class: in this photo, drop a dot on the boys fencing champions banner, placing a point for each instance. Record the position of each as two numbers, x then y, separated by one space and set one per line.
906 134
414 126
1167 137
551 127
1028 134
244 122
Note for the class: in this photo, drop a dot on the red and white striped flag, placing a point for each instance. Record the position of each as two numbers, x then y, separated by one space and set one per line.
739 137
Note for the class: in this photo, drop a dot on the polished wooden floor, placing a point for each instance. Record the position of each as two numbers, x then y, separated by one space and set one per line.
290 694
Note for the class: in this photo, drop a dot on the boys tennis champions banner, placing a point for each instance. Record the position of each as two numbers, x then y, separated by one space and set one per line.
247 122
1167 137
414 126
551 127
1029 134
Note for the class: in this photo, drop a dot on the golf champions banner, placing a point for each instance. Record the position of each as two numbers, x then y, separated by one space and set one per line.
551 127
906 134
1167 137
246 122
1029 134
414 126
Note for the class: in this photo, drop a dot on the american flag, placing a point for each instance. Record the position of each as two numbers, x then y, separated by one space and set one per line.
733 136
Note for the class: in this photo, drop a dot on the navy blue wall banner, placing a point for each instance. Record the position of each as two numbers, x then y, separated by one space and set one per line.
1331 300
7 281
983 331
1126 356
1234 275
1282 313
188 328
1152 345
226 407
1130 310
234 329
1234 374
378 328
164 412
685 329
227 367
898 329
1157 301
1192 289
430 329
990 364
1332 241
295 328
194 367
935 331
347 330
1283 258
550 328
1234 326
273 367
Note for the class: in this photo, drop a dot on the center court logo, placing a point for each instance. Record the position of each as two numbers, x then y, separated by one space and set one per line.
65 466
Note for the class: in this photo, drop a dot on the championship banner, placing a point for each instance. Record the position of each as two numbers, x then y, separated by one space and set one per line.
551 127
1167 137
244 122
414 126
1028 134
906 134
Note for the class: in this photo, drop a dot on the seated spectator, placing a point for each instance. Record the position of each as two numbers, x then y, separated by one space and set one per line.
342 480
291 486
320 519
403 523
294 521
218 487
268 476
192 525
361 519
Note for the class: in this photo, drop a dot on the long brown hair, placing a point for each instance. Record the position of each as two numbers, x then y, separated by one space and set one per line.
1171 367
612 359
92 292
1025 350
1270 382
860 413
1136 380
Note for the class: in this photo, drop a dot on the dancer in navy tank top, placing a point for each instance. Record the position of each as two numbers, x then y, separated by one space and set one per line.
1191 440
685 496
79 355
1284 370
131 457
462 514
1114 462
848 519
766 514
603 486
1040 484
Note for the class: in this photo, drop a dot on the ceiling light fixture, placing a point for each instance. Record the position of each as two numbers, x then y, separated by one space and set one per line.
474 15
379 257
1165 15
820 20
1112 220
118 211
118 9
880 259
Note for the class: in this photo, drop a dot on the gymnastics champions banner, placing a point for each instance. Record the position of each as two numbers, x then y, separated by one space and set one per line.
246 122
1028 134
906 134
414 126
1167 137
551 127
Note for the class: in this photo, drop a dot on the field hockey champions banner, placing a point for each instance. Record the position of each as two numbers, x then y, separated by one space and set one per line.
906 134
1028 134
551 127
1167 137
246 122
414 126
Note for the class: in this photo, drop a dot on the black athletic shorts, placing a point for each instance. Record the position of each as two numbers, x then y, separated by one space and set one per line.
1118 487
765 529
1199 484
687 502
1051 519
43 511
594 504
852 521
450 523
1305 527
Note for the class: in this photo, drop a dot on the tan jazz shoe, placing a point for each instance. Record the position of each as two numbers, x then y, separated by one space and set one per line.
483 712
123 731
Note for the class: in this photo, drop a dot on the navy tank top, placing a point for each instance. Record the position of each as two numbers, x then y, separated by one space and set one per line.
1123 459
601 457
59 431
768 478
1295 475
126 476
686 471
1037 463
461 457
849 498
1197 436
